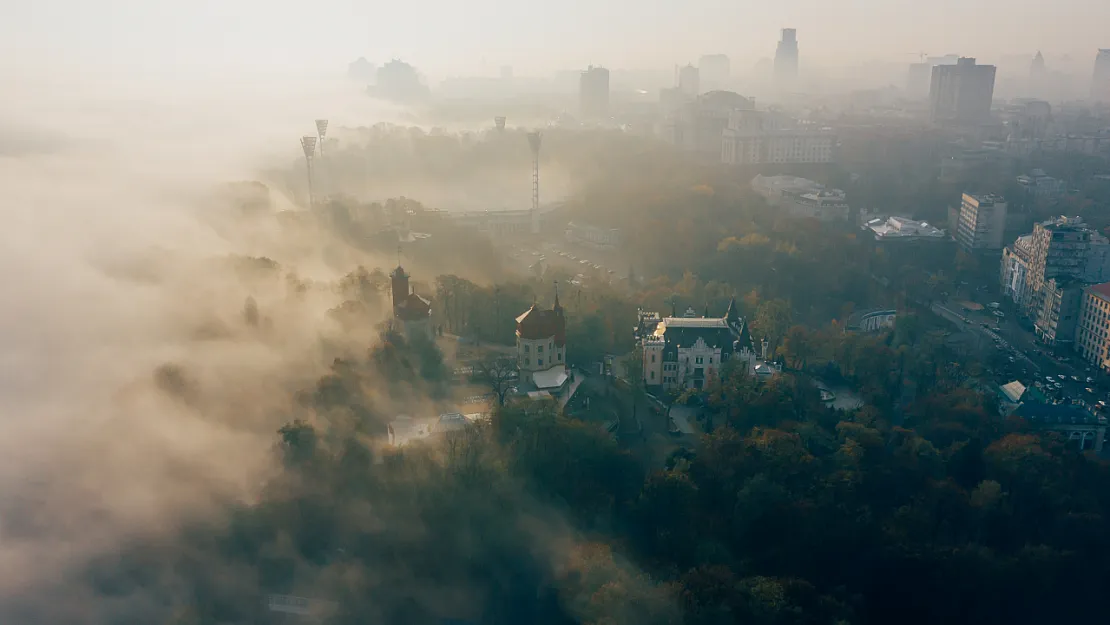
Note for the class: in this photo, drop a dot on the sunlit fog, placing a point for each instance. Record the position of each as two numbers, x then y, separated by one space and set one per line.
616 314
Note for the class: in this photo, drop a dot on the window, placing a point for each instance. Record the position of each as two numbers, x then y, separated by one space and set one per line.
653 357
697 360
710 360
526 348
539 349
527 362
653 375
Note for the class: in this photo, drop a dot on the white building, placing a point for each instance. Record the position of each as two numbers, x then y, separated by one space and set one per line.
772 188
688 352
903 229
982 222
541 345
756 137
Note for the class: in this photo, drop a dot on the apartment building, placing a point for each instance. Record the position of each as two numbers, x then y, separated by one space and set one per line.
1061 300
1058 249
1092 337
982 222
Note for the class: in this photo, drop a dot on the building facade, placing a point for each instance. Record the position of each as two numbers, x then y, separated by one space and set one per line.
541 346
1042 187
902 229
1092 337
698 125
1015 267
786 55
412 314
593 93
982 223
688 352
757 137
801 197
961 93
1061 300
1058 249
1100 79
689 81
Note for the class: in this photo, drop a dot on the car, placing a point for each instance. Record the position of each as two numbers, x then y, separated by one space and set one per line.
968 321
1050 378
1058 385
1061 376
1090 390
1090 379
1074 378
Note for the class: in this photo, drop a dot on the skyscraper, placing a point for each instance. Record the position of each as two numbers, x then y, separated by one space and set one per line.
689 80
1100 81
593 93
962 92
786 55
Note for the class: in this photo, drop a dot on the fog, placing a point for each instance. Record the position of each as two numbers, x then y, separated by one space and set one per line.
111 270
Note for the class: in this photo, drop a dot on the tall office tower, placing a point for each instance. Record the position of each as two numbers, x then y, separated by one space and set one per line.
1100 81
982 222
689 80
786 55
716 71
1037 75
962 92
593 93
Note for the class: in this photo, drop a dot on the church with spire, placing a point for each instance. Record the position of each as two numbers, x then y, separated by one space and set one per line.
541 346
412 314
689 351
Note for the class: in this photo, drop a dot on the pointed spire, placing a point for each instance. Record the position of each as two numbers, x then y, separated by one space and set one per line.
732 314
706 313
557 307
674 311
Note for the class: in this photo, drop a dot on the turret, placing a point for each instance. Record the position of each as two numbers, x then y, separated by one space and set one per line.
400 281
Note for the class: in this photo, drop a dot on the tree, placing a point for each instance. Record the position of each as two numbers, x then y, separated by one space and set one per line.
772 320
498 373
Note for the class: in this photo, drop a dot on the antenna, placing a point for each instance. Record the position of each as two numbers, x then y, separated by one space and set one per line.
534 139
308 144
321 131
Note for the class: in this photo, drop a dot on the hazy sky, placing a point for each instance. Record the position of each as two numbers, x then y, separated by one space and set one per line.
449 36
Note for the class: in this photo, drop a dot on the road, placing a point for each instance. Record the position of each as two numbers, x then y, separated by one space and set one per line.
1032 363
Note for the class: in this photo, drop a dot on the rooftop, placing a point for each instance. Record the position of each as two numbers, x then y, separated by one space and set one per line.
903 228
1101 291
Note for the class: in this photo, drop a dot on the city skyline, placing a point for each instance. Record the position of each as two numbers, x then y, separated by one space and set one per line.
251 34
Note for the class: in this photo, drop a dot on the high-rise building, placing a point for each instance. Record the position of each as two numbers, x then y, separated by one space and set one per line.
716 71
917 80
689 80
982 223
786 55
1037 67
1100 81
1092 337
593 93
962 92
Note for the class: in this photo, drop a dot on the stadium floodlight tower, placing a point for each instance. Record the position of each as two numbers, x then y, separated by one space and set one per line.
534 139
308 144
321 131
499 123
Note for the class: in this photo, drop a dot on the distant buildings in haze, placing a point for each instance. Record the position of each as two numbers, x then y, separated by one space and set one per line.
689 80
786 55
716 71
756 137
1100 80
961 93
593 93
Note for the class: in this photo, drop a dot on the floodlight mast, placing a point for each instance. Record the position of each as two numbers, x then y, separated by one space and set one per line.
321 131
308 144
534 140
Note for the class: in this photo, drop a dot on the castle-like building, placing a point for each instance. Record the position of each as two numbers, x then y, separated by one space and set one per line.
541 346
689 351
412 314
